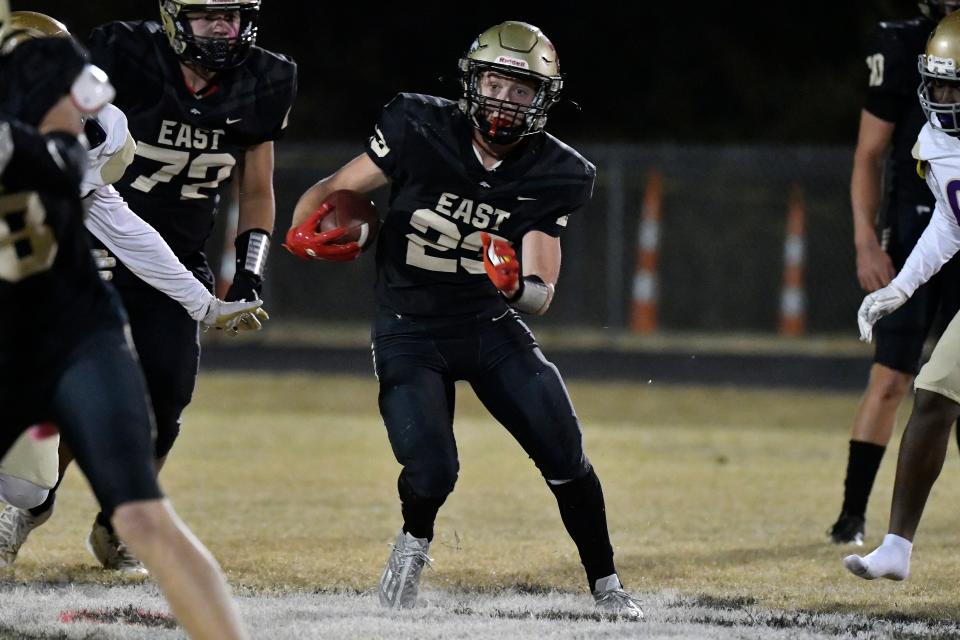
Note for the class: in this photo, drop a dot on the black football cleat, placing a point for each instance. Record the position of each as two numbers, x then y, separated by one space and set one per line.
848 529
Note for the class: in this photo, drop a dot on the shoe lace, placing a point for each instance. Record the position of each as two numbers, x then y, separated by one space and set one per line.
14 526
415 555
617 599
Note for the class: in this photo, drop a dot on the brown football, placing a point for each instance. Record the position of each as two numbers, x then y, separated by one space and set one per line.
355 212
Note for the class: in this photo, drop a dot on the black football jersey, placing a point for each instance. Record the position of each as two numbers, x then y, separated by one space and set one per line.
892 82
188 144
429 259
50 292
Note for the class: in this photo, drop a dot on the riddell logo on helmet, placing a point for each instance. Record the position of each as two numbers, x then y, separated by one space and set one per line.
513 62
936 64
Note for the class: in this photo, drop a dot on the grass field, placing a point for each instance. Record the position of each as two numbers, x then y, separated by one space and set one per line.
717 500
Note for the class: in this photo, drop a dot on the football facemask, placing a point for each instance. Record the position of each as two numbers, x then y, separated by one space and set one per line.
519 52
216 53
939 90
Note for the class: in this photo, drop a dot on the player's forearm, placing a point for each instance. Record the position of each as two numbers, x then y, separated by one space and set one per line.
865 196
311 200
939 242
257 211
541 268
143 251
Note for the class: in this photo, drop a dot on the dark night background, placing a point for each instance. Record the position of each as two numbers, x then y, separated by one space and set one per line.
716 72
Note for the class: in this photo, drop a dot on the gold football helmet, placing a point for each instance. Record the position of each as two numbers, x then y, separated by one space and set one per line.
939 69
518 50
215 54
4 14
23 25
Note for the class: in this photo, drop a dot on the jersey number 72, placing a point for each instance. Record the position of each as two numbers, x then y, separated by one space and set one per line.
174 162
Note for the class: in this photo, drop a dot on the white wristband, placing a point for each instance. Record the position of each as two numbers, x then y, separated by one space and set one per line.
532 296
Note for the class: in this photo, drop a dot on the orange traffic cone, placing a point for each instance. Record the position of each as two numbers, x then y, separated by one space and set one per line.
793 302
643 318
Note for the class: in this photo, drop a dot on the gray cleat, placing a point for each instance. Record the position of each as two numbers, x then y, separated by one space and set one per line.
15 525
611 599
111 553
401 577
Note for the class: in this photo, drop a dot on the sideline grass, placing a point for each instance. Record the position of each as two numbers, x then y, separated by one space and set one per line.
712 493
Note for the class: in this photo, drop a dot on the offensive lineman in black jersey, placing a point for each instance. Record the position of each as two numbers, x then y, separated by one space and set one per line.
469 181
64 356
891 118
200 99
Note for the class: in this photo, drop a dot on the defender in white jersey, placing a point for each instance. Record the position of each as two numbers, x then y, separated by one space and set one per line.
33 465
937 401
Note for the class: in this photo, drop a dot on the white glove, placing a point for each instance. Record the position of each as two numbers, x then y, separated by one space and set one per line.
234 316
104 262
878 304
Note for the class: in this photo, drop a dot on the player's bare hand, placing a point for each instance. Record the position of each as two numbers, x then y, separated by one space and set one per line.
874 267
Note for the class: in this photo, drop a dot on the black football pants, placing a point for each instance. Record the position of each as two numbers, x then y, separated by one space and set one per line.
417 361
98 400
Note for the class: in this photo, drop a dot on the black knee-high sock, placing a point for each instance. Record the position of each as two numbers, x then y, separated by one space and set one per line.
419 512
862 465
585 517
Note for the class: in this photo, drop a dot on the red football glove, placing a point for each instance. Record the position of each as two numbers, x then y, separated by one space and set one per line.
501 264
304 242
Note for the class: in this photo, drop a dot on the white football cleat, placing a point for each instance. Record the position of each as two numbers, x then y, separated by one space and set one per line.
400 581
111 553
15 525
611 599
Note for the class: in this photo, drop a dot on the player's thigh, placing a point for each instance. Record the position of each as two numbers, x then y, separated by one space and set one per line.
101 407
416 397
168 346
526 394
941 374
33 459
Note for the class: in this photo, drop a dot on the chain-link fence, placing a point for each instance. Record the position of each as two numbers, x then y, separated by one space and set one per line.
721 247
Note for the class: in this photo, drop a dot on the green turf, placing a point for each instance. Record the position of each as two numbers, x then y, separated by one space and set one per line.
723 492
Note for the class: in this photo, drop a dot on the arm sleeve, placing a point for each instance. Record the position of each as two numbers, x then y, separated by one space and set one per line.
939 242
51 163
386 144
142 250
